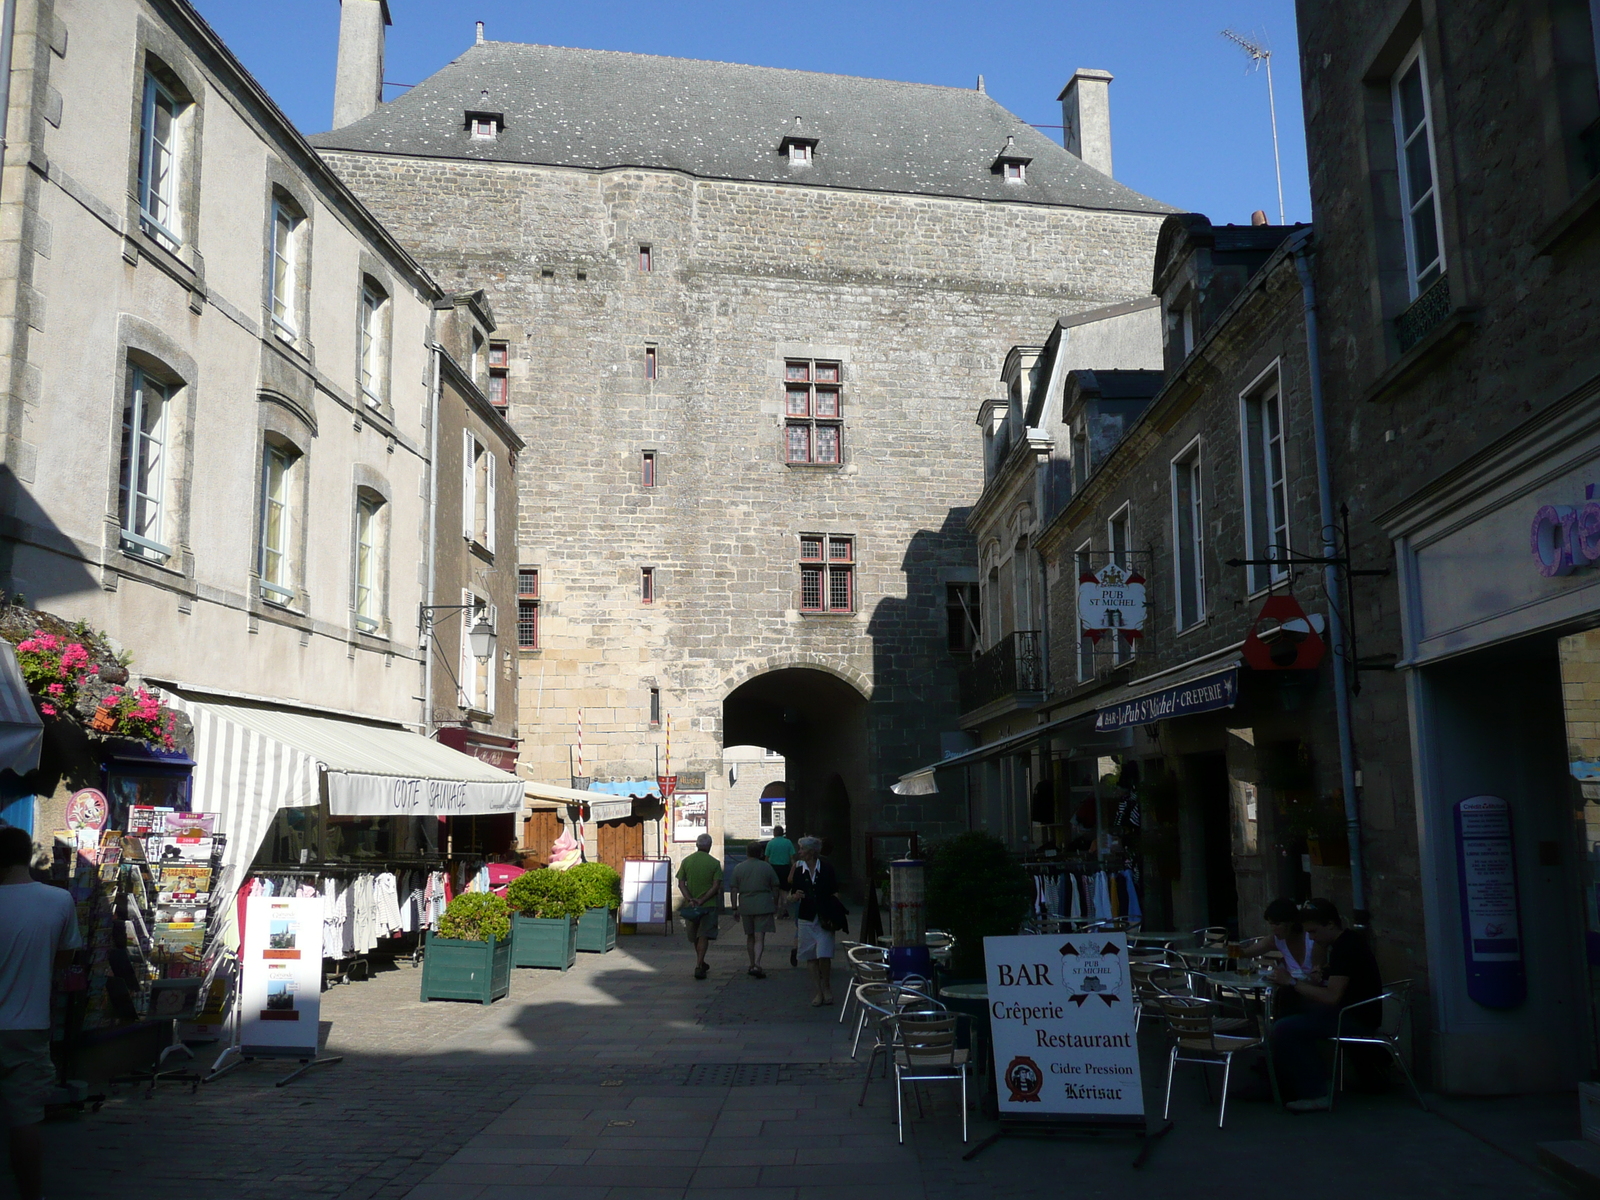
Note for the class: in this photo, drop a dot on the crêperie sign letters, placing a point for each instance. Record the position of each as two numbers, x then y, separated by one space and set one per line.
1564 538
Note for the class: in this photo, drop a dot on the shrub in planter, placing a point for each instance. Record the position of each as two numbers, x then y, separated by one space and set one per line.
602 894
470 958
976 889
547 904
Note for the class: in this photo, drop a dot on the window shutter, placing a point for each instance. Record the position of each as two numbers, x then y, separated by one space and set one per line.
488 536
494 620
469 487
469 669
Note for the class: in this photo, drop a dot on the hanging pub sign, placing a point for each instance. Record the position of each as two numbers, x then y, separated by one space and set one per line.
1283 638
1111 601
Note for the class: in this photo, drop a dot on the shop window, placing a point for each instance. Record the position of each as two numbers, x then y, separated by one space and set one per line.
1266 489
827 573
499 375
528 608
961 617
813 408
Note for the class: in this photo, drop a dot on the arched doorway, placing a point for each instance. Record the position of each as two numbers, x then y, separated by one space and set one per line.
818 722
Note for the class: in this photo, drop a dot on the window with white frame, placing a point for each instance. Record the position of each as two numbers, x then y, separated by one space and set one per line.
1082 565
369 563
477 492
1266 488
477 674
142 500
372 348
1419 192
1188 539
158 162
276 558
827 573
1119 539
281 281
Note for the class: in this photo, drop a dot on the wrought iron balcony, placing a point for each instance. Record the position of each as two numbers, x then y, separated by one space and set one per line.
1011 666
1425 313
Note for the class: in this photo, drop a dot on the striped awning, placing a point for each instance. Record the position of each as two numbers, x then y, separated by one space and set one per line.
21 730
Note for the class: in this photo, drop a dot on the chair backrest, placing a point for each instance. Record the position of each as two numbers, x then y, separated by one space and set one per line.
1175 981
871 972
909 999
866 954
1212 935
928 1039
1189 1017
1396 1005
877 998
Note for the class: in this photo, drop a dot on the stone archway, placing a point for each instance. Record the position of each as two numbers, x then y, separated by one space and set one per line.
817 720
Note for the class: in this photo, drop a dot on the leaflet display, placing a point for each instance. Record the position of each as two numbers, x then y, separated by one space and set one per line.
281 992
1061 1015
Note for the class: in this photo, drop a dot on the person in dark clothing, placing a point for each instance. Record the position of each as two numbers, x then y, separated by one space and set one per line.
813 879
1348 976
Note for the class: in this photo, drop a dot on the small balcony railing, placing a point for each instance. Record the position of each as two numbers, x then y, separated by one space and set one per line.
1011 666
1424 315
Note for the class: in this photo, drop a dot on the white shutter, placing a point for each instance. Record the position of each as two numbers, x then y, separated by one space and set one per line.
468 678
488 537
494 620
469 486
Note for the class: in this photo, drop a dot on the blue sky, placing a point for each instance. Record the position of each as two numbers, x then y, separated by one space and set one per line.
1189 120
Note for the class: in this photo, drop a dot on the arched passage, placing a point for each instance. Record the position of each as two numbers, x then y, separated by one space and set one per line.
818 722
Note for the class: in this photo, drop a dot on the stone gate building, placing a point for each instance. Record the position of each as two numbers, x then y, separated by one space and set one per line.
747 315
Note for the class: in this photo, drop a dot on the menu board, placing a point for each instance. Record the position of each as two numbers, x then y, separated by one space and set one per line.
281 990
645 886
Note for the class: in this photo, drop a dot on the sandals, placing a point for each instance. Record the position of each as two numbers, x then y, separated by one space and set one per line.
702 971
756 973
816 1002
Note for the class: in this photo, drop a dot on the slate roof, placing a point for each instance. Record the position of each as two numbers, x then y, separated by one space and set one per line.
601 108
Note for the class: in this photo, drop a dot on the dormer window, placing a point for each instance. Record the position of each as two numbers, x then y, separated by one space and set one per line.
799 152
485 126
1011 164
797 145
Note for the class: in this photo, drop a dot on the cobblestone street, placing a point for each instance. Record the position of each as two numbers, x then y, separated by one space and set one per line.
583 1087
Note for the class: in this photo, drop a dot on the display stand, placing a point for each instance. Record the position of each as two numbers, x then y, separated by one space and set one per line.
280 987
647 893
173 1000
1062 1022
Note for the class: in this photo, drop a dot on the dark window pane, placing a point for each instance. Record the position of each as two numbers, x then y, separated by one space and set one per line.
1412 110
811 587
811 549
1425 237
839 589
1419 171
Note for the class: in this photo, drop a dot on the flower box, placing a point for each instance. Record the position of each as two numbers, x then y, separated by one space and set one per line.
544 942
460 970
597 930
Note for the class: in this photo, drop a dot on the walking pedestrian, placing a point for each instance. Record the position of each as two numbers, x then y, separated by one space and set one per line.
821 914
755 888
38 933
700 881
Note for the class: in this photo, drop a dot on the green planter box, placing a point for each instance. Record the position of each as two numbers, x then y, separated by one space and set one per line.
544 942
597 930
457 970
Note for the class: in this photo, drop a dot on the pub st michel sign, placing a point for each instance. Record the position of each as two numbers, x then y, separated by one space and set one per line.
1111 601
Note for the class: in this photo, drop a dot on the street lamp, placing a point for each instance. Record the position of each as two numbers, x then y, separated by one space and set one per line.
481 638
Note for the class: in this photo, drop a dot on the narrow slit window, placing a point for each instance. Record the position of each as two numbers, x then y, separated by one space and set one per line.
649 362
646 260
655 706
499 374
528 608
647 585
647 469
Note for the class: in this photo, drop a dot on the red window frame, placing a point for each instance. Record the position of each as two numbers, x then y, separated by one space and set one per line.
527 608
827 573
499 374
813 410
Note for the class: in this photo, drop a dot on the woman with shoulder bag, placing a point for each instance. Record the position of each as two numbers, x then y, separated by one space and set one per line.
822 914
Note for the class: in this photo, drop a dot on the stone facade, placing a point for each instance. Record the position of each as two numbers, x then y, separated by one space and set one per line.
916 297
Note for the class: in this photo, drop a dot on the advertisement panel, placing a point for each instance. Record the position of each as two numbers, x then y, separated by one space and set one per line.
691 817
281 989
1061 1016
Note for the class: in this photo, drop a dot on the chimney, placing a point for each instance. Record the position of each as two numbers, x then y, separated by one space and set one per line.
1259 217
358 85
480 33
1086 117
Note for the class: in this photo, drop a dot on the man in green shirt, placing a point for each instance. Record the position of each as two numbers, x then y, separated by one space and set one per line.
780 856
700 881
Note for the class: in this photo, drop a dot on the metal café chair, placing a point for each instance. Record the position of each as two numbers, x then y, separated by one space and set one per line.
1192 1028
1393 1017
1212 936
882 1004
860 956
865 973
925 1051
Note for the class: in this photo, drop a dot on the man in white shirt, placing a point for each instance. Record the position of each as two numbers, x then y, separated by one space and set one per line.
38 933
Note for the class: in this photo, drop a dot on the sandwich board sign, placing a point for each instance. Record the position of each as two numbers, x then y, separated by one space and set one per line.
1061 1018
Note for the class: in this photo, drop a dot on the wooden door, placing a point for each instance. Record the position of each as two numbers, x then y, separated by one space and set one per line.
620 841
540 829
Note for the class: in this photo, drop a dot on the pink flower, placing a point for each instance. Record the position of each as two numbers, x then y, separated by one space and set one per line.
48 710
56 689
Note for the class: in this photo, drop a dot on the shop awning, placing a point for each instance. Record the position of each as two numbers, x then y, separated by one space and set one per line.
1202 687
553 795
921 782
21 730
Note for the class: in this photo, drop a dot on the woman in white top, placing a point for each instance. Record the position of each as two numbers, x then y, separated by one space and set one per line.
1301 956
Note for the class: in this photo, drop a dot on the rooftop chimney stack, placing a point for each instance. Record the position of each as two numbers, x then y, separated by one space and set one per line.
1086 117
358 84
480 33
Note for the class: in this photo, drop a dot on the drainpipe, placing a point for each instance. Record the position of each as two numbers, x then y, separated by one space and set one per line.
1300 245
8 28
433 537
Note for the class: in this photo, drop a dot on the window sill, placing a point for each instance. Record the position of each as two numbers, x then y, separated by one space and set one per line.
813 613
804 466
480 550
163 566
1574 220
475 714
1441 339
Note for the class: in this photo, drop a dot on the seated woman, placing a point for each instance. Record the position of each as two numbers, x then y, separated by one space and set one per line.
1301 956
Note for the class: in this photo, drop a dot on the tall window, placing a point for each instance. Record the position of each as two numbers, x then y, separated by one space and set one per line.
478 506
369 596
647 469
647 261
961 617
158 162
499 374
1266 488
285 224
813 408
142 499
1119 536
647 585
1419 193
827 573
1188 539
371 347
649 362
276 474
1082 565
477 674
655 706
528 608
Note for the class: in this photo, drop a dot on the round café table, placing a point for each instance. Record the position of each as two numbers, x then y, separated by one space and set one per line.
972 999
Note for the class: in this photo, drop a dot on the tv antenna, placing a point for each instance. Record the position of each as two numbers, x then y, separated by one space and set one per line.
1261 56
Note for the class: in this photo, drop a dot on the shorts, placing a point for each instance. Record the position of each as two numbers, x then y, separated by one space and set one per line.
815 941
702 927
26 1075
755 923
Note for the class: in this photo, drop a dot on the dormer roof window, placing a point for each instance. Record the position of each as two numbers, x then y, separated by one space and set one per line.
798 146
1011 164
482 123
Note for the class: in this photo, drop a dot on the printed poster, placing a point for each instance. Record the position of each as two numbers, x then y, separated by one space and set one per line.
691 816
281 990
1061 1016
